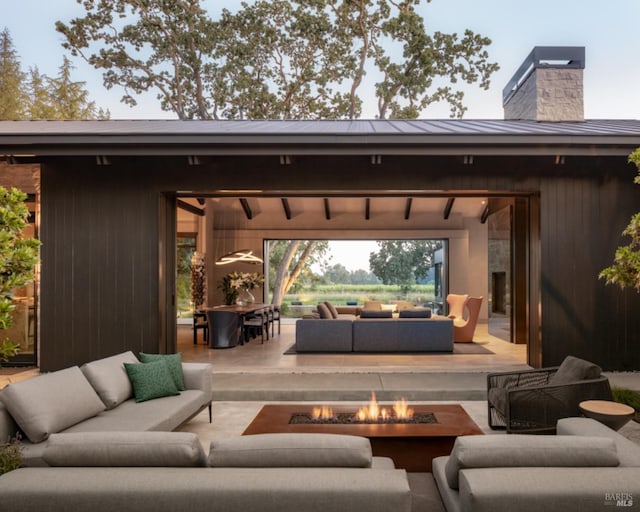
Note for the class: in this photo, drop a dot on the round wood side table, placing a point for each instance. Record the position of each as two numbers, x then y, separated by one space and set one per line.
613 414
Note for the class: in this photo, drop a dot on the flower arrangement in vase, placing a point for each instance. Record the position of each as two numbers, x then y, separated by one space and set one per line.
237 287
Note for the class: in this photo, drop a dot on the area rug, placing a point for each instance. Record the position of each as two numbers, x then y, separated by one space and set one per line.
458 348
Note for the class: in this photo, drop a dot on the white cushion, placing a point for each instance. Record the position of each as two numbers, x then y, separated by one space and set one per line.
291 450
51 402
525 450
125 449
109 378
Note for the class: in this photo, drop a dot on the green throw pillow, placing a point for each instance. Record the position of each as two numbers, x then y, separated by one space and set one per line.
173 362
150 380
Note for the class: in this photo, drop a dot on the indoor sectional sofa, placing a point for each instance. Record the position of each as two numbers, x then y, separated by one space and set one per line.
99 397
383 334
166 472
587 466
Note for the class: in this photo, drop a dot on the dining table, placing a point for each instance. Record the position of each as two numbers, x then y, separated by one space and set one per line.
241 310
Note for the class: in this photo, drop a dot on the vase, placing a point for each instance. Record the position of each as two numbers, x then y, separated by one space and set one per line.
245 297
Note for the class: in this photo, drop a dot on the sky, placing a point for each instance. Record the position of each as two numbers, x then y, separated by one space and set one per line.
608 30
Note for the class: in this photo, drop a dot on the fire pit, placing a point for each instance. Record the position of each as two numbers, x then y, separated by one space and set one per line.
372 413
411 445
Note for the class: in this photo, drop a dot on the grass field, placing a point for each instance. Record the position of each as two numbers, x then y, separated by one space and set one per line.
339 295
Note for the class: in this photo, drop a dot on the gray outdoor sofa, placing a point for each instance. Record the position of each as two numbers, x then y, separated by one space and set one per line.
586 467
433 334
98 397
168 472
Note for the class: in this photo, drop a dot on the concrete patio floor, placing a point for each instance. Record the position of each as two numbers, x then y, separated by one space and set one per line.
248 376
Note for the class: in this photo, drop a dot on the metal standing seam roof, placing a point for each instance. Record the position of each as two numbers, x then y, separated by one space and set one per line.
38 135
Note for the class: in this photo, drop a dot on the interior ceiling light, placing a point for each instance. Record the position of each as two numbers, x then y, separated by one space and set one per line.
240 256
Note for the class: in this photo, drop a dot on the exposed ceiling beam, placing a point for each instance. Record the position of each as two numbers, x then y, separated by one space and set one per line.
327 209
447 209
407 208
246 208
485 214
287 208
367 209
189 207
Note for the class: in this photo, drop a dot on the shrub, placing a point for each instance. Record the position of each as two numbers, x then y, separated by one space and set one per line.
10 455
627 397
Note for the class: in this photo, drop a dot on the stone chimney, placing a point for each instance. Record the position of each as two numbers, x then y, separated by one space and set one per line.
548 86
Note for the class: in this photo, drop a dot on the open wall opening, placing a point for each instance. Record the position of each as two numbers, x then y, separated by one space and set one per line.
301 273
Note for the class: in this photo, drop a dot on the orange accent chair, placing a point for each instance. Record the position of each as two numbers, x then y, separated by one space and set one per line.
463 329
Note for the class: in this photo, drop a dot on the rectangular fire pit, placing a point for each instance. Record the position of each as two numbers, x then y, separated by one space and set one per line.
412 446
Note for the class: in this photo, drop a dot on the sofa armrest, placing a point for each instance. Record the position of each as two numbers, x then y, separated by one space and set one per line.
198 376
628 451
535 489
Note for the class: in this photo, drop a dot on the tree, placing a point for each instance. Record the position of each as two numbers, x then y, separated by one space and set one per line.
69 99
39 104
18 256
37 96
291 259
625 271
280 59
403 262
12 96
338 274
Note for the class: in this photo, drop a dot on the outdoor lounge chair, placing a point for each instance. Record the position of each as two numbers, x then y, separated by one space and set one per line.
532 401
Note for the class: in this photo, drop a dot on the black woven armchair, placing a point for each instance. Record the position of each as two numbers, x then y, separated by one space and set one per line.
532 401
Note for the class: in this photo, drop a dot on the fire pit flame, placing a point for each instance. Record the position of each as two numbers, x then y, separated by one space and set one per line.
322 413
402 410
373 412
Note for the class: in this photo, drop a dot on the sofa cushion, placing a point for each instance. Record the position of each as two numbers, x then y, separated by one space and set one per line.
573 369
125 449
525 450
332 309
151 380
415 313
162 414
51 402
174 365
376 313
628 451
291 450
324 312
109 378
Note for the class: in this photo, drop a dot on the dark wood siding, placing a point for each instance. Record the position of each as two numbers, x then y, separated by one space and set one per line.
102 225
99 266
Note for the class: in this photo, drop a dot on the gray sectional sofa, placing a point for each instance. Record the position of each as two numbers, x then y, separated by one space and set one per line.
96 397
433 334
586 467
167 472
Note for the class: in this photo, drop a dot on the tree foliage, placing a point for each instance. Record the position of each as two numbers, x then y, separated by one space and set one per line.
403 262
625 271
279 59
34 95
18 256
12 95
289 263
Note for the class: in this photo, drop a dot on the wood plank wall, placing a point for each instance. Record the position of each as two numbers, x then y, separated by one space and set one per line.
101 291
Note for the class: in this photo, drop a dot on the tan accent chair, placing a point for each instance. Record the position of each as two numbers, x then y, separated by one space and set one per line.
463 329
456 305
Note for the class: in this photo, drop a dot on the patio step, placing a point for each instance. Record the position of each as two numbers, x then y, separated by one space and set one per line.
238 387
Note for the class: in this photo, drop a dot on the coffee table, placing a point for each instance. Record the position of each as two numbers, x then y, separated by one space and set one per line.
412 446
